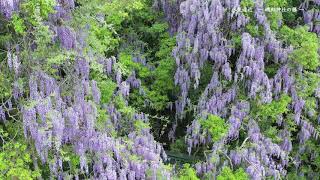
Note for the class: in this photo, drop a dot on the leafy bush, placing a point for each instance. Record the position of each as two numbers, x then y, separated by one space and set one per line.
215 126
228 174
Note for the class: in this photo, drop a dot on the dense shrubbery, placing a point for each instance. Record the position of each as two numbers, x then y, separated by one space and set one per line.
150 89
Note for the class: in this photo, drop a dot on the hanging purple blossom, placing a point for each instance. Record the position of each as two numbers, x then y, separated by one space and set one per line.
2 114
66 37
7 7
95 92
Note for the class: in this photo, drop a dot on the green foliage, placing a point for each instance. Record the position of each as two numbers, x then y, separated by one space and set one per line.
105 23
274 108
292 18
254 30
294 176
157 84
276 3
43 36
167 44
310 162
272 132
125 110
247 7
271 70
5 85
118 10
60 58
228 174
29 23
236 38
36 9
163 84
140 125
179 146
315 159
125 61
206 74
306 46
187 173
101 120
159 27
215 125
107 88
307 83
5 37
275 16
160 175
247 4
311 107
18 24
102 38
15 162
68 155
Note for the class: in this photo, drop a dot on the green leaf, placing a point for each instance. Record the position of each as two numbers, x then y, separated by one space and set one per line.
215 126
187 173
228 174
18 24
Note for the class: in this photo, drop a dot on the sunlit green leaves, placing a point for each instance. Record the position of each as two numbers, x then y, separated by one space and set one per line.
187 173
275 108
18 24
228 174
36 9
15 160
307 83
107 88
5 86
306 45
215 125
126 61
140 125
